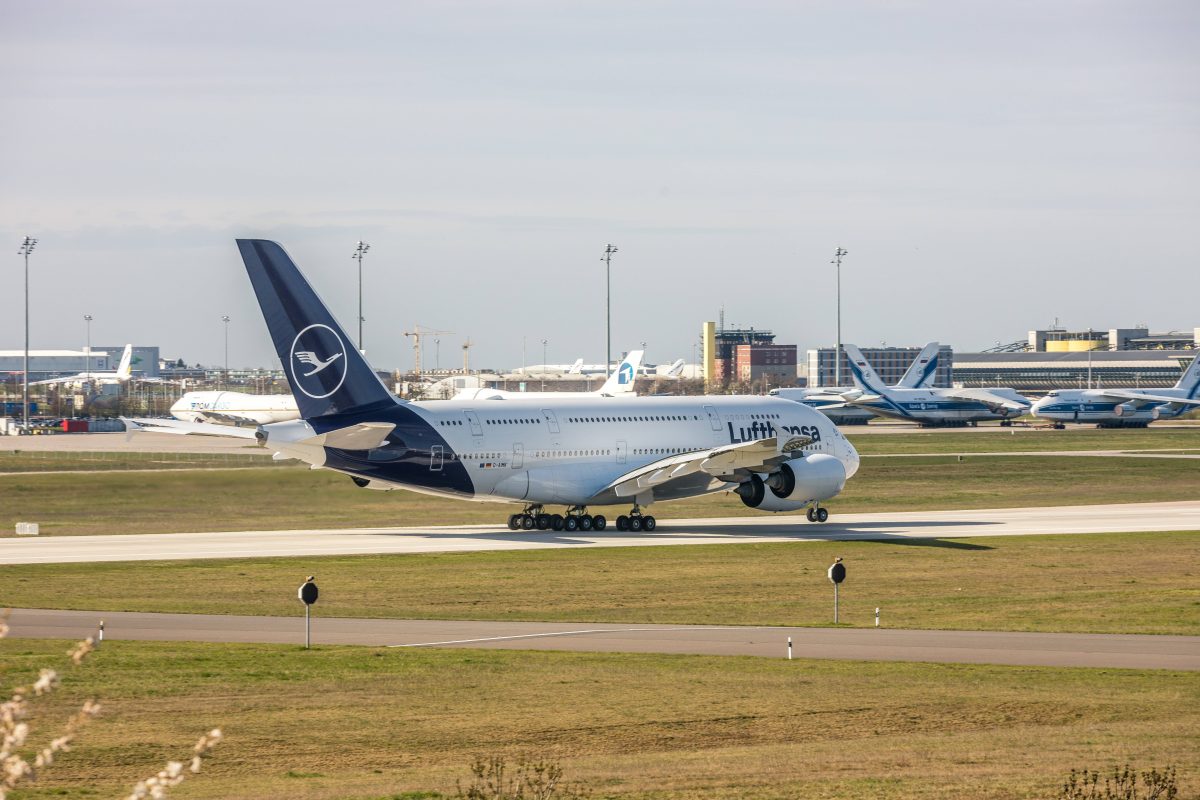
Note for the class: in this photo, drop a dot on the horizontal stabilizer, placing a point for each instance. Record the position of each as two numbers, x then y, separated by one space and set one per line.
364 436
180 428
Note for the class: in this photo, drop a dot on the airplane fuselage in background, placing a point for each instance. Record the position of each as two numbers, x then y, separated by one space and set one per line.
1094 405
235 407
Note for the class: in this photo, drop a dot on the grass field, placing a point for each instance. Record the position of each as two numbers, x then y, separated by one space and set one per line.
1024 440
366 723
59 460
280 499
1116 583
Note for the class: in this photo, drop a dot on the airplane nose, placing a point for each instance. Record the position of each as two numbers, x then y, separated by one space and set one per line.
852 460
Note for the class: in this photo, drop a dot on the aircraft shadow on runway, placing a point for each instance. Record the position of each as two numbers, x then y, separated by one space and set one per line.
666 532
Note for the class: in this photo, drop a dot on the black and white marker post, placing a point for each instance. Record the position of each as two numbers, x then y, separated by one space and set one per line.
308 595
837 574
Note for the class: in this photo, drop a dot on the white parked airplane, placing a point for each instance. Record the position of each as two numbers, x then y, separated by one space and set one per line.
579 452
621 382
121 375
830 400
930 407
1124 407
235 408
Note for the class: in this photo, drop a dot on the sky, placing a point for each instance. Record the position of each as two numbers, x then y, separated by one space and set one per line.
989 167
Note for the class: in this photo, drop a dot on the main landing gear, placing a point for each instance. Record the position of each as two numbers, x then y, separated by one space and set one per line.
576 519
817 514
636 521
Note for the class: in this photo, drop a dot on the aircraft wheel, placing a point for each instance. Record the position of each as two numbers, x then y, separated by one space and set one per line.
649 523
514 522
556 522
811 514
527 522
599 522
822 514
635 524
543 522
622 523
571 523
585 523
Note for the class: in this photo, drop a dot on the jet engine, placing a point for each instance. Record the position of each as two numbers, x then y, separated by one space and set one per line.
1130 410
795 484
367 483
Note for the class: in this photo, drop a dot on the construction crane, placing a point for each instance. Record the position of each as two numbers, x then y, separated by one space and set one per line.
466 348
416 333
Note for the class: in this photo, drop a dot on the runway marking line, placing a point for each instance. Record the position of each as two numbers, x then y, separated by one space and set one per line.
572 633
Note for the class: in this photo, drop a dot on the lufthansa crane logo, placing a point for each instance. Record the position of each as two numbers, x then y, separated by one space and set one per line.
318 363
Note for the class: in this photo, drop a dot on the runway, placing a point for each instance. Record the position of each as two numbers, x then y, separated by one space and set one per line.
962 647
1132 517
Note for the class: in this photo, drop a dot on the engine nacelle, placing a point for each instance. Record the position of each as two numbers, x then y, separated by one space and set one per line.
367 483
1126 410
795 484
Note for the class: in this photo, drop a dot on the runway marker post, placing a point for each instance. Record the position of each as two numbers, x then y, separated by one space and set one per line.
308 595
876 616
837 574
100 634
789 648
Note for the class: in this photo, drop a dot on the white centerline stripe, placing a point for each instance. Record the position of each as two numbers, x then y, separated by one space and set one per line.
567 633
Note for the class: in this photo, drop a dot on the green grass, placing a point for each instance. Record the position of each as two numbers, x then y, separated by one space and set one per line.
365 723
60 460
1118 583
281 499
1024 440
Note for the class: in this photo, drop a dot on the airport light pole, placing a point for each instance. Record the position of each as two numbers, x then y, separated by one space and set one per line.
608 254
544 343
225 319
359 251
87 318
837 353
26 248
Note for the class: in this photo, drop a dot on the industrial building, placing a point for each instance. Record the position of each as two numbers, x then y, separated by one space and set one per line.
45 364
746 355
889 362
1060 340
1043 371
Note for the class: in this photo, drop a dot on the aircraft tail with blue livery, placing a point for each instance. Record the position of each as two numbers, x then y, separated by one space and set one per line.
625 376
922 372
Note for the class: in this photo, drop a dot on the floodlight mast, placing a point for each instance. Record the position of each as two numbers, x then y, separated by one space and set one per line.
837 353
26 248
608 254
225 319
359 251
87 318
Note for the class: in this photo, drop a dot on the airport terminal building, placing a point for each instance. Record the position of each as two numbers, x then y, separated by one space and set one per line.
1041 372
889 362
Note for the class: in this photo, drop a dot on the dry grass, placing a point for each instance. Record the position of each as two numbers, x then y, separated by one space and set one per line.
363 723
1118 583
275 499
1024 440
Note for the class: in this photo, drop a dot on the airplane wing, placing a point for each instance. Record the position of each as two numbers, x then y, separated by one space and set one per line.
989 398
134 425
1144 399
232 418
723 463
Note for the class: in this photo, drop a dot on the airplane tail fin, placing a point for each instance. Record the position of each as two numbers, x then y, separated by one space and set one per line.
922 371
623 379
862 372
326 372
1189 382
576 368
124 370
676 369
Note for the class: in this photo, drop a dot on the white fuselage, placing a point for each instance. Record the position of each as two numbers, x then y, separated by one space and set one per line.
568 450
233 407
1094 405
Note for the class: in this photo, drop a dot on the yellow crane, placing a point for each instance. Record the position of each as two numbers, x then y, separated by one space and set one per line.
415 334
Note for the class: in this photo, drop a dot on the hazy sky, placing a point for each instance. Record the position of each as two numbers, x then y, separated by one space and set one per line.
989 166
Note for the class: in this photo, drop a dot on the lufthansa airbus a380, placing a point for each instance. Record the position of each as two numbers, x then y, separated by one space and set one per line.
582 452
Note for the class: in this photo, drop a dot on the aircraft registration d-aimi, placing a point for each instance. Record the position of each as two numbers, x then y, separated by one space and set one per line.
578 452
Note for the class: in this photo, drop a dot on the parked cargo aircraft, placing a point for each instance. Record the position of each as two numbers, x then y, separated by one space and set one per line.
121 375
235 408
579 452
931 407
830 400
621 382
1124 407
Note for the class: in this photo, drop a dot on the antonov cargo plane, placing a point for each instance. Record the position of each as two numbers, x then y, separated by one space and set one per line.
1124 407
579 452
